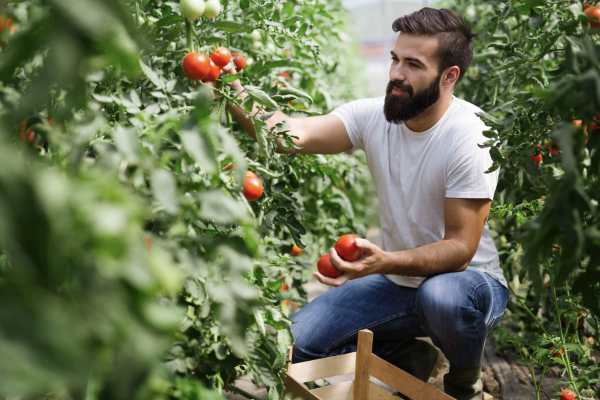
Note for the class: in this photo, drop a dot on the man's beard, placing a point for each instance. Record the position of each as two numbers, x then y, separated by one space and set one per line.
398 108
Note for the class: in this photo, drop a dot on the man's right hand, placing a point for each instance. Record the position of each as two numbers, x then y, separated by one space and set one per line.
229 69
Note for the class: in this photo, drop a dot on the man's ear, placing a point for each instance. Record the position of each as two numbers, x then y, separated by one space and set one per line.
451 75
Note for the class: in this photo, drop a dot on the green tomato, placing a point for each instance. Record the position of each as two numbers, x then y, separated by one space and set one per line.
257 45
191 9
271 47
212 8
255 35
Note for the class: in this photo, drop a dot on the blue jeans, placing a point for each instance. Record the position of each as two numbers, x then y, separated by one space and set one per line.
456 310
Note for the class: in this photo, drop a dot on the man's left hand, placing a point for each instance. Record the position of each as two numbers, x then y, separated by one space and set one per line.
371 261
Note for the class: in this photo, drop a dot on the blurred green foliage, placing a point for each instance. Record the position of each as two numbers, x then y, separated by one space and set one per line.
535 71
131 266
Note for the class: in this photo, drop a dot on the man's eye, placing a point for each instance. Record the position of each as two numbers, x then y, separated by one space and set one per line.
394 59
414 65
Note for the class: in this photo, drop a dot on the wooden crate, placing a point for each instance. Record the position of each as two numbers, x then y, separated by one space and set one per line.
364 364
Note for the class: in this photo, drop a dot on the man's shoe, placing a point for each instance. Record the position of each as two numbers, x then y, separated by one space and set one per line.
464 384
417 357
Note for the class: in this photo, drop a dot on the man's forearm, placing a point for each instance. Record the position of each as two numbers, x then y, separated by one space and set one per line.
436 258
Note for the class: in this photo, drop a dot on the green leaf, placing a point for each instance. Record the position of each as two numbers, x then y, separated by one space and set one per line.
285 339
295 92
291 21
233 26
261 97
231 78
275 64
164 189
153 76
169 20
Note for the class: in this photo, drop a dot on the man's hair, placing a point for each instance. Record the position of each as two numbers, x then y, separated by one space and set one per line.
455 36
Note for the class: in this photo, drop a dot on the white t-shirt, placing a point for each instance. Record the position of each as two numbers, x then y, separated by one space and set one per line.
415 171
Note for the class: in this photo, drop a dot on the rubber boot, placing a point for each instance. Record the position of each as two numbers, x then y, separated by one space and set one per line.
417 357
464 384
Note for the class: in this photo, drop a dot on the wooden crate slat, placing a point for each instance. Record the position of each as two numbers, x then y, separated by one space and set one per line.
404 382
289 365
296 389
487 396
324 368
363 365
379 393
340 391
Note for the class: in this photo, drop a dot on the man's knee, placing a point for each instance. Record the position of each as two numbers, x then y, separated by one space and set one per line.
446 304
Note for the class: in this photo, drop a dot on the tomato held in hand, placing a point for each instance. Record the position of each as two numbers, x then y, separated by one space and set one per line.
196 66
239 61
296 251
567 395
326 267
593 12
191 9
347 249
214 74
221 56
253 187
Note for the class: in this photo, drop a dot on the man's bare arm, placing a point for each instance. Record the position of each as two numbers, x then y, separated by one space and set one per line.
325 134
464 220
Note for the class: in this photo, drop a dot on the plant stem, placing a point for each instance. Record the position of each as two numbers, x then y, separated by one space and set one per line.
562 338
237 390
189 35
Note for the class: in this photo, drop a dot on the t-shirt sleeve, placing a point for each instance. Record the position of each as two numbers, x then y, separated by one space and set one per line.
466 177
356 116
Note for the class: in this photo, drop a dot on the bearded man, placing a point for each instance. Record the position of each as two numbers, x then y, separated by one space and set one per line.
437 274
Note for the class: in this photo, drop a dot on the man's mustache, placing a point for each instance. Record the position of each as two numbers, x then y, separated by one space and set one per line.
402 86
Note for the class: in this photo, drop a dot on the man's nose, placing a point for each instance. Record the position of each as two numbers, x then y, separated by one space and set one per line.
397 73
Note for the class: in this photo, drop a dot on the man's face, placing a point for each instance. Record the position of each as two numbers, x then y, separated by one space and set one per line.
414 78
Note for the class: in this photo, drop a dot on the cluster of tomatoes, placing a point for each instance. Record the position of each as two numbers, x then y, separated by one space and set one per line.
554 147
347 250
199 67
193 9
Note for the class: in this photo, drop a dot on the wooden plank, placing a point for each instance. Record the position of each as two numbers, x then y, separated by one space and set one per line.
362 372
487 396
378 393
289 365
404 382
341 391
324 367
296 389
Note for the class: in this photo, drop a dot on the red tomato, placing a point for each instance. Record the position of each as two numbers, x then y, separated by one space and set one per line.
148 241
229 167
239 61
586 6
284 287
214 73
580 319
296 251
346 248
287 303
567 395
6 23
196 66
556 354
326 267
221 56
253 187
590 341
537 158
593 12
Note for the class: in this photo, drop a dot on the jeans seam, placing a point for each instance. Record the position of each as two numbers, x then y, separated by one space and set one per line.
366 327
484 322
